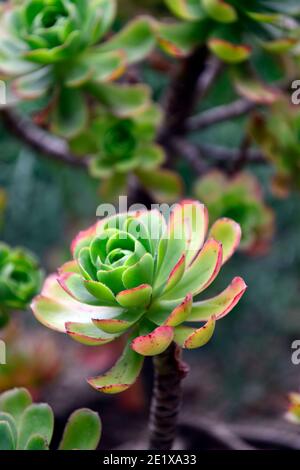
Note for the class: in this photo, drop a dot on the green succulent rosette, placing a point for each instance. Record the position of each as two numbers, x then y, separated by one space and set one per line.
277 132
137 274
57 49
231 28
119 146
241 198
20 278
25 425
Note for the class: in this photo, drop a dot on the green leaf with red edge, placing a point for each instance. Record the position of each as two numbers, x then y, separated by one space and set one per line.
155 342
176 274
120 323
228 232
186 9
54 308
159 312
136 40
228 51
105 66
253 89
70 116
136 297
123 100
82 431
179 39
88 334
220 11
191 338
280 45
122 375
194 216
201 272
220 305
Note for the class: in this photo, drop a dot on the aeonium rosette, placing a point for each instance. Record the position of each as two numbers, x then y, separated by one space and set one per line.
136 273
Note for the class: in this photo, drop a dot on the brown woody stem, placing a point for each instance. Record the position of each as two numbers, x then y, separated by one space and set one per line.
169 371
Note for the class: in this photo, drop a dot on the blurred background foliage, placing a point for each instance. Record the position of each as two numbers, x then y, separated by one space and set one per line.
246 370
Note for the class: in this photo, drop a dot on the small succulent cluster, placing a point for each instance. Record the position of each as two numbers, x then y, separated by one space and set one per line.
231 28
57 49
278 135
239 197
293 414
20 279
28 426
135 273
121 145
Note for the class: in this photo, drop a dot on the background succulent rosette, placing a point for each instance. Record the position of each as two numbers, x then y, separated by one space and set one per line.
134 273
20 279
56 49
25 425
239 197
231 29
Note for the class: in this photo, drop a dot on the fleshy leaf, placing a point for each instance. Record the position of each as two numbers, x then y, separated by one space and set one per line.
220 305
186 9
14 402
6 436
54 308
227 232
229 52
154 343
123 100
201 272
137 40
82 431
189 338
88 334
70 115
164 185
36 419
37 442
136 297
178 39
220 10
122 375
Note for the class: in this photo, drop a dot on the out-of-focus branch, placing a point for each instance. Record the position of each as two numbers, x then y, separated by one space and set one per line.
213 68
40 140
219 114
191 154
181 95
222 154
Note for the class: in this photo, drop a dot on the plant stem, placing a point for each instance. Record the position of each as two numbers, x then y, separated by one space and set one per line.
169 371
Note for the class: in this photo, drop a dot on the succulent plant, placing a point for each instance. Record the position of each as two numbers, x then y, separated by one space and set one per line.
278 134
230 28
239 197
135 273
29 426
20 278
119 146
56 48
293 414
